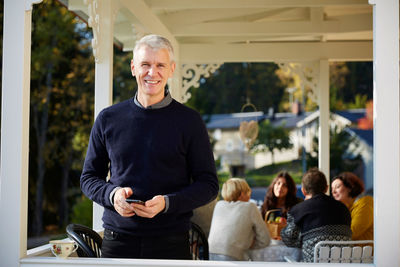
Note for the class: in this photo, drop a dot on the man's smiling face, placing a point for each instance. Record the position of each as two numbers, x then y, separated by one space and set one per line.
152 68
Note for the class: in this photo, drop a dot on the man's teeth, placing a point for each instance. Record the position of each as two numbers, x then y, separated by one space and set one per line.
152 82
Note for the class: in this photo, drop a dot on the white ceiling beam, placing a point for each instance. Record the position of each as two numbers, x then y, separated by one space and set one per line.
188 4
344 24
76 5
277 52
193 16
198 16
149 20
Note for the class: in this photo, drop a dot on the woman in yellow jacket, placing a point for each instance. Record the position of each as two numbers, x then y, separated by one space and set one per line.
347 188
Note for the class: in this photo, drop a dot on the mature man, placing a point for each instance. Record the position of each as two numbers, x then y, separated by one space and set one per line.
318 218
156 150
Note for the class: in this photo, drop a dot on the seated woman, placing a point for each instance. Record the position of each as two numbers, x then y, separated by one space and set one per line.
347 188
281 194
236 225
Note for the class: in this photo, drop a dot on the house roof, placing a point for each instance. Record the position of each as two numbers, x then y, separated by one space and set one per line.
365 135
353 115
232 120
289 120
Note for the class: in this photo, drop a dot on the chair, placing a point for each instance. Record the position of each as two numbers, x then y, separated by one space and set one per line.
198 243
344 251
89 242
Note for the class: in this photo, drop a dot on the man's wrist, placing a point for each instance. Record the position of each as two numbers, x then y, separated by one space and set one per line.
166 199
112 194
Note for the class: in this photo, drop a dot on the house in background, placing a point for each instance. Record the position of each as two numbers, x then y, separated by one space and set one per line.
235 158
228 147
353 122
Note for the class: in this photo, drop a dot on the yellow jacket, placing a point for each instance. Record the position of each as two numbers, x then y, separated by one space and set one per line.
362 218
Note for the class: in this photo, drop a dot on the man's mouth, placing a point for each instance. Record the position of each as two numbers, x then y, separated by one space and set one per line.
151 82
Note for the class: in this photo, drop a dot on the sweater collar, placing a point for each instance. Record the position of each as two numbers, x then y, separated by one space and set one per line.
163 103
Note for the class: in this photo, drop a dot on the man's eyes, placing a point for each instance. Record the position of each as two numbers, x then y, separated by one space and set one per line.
148 65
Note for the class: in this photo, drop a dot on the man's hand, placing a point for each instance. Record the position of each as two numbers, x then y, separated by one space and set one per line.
120 204
151 208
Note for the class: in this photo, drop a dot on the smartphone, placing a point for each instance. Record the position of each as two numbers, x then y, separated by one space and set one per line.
137 201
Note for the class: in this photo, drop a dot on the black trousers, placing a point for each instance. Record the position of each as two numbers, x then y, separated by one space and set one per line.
117 245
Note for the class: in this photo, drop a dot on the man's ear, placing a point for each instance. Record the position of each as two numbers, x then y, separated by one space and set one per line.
303 191
173 65
132 68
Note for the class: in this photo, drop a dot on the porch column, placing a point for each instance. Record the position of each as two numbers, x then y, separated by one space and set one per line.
102 23
386 133
323 131
175 83
15 130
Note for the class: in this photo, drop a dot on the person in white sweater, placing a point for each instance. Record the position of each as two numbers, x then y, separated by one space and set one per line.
237 224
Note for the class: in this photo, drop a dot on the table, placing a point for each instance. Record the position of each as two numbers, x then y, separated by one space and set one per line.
274 252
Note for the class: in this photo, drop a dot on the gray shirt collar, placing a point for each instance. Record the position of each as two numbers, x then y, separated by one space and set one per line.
163 103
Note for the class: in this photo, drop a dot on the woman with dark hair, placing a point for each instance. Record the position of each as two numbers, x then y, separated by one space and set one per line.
281 194
347 188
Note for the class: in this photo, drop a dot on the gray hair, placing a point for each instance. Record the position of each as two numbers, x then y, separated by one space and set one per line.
156 42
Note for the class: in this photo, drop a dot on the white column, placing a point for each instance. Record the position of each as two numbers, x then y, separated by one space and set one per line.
386 133
15 131
175 83
103 72
323 131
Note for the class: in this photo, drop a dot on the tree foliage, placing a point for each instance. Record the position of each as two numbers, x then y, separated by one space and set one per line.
350 85
62 77
342 155
272 138
228 89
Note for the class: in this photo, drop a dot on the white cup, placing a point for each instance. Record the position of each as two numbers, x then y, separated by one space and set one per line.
63 248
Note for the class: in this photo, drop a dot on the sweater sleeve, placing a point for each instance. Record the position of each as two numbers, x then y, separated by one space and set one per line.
362 216
291 233
262 237
95 169
201 168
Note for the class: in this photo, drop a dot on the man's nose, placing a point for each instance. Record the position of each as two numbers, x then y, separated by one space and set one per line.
152 70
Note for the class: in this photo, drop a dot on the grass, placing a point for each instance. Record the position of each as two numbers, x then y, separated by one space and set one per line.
263 176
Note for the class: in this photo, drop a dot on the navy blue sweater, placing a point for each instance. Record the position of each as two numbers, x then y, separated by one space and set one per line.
162 151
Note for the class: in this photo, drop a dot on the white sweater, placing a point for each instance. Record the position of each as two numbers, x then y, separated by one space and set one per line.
234 228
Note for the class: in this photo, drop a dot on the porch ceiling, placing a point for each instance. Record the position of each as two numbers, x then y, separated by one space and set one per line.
248 30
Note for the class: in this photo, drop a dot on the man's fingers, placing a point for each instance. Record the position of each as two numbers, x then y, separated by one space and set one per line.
120 204
151 208
128 191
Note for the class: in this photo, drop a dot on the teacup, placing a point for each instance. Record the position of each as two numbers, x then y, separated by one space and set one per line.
63 248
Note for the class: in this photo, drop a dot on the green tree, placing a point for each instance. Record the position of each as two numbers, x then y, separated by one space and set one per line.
124 84
227 90
350 84
343 154
272 138
61 90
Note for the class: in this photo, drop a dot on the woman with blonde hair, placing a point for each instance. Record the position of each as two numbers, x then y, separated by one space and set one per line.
237 225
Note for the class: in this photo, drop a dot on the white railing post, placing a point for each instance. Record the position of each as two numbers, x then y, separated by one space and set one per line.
102 15
386 133
324 111
15 130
